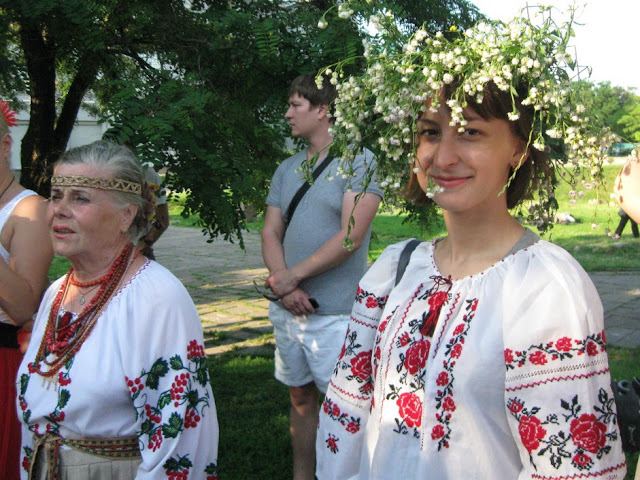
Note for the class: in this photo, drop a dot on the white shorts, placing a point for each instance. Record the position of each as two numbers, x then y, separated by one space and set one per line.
307 346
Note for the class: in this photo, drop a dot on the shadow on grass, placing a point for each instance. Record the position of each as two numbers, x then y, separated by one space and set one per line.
253 411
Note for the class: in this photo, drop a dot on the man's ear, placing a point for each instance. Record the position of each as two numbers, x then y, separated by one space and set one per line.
323 110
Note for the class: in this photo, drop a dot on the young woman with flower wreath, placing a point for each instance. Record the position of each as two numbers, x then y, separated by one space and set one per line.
487 360
115 379
25 256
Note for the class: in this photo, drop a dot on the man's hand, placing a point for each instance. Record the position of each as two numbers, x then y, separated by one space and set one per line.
297 302
282 282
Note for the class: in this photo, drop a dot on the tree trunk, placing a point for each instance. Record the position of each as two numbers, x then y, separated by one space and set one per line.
86 73
38 142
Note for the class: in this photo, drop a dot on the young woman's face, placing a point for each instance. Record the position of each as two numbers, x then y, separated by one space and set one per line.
470 167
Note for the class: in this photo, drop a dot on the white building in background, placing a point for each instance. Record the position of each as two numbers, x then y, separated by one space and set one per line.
85 130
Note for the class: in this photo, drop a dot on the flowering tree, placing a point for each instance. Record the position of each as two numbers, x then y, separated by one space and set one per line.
409 71
199 87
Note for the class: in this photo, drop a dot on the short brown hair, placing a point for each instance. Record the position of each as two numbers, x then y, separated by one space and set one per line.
498 104
305 86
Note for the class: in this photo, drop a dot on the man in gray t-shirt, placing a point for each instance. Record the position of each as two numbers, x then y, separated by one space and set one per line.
309 265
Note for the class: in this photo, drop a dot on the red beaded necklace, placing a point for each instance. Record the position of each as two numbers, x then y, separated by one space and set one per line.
64 336
75 283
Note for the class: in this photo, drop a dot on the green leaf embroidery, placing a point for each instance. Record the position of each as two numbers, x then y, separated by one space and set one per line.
63 398
174 427
164 400
176 362
24 382
159 369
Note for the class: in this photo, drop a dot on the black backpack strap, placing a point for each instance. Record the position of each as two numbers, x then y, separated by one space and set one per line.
405 255
303 189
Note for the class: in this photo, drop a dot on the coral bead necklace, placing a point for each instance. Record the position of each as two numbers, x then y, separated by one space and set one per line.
63 335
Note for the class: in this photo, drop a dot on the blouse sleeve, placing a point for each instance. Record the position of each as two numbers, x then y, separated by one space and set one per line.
166 373
558 396
346 406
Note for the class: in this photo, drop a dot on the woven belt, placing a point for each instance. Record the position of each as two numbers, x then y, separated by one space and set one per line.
121 448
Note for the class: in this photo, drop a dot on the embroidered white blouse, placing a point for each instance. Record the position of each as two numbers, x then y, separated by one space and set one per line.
499 375
141 372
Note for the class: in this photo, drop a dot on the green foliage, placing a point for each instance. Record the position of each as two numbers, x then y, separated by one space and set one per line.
617 107
198 87
630 120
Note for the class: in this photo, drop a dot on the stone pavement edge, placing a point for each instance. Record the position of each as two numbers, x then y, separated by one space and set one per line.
219 277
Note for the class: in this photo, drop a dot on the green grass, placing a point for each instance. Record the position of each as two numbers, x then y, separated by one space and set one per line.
59 266
253 411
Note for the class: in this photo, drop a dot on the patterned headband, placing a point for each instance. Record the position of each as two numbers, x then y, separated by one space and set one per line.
102 183
8 113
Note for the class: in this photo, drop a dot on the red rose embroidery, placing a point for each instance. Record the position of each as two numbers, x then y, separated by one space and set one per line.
531 432
361 365
581 460
443 379
449 405
508 355
604 338
325 407
353 427
437 432
417 356
410 409
332 443
515 406
378 353
592 349
456 351
564 344
538 358
382 326
367 388
404 339
335 411
588 433
459 329
372 302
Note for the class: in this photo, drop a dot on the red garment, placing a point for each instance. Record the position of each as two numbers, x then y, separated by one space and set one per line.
9 425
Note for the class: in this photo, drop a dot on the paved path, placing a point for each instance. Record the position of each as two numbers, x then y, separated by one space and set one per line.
219 276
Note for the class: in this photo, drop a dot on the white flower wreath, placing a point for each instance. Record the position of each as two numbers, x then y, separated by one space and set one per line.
378 109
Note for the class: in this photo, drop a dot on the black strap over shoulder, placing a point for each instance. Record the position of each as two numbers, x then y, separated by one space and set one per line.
405 255
303 189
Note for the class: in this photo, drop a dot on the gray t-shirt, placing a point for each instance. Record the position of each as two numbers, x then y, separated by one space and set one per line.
316 219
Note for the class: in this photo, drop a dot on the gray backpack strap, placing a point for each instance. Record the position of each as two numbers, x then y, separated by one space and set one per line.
405 255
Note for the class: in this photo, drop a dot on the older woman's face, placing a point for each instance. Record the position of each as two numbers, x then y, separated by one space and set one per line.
86 224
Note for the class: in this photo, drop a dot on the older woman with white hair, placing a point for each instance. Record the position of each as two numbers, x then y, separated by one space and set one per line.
114 383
